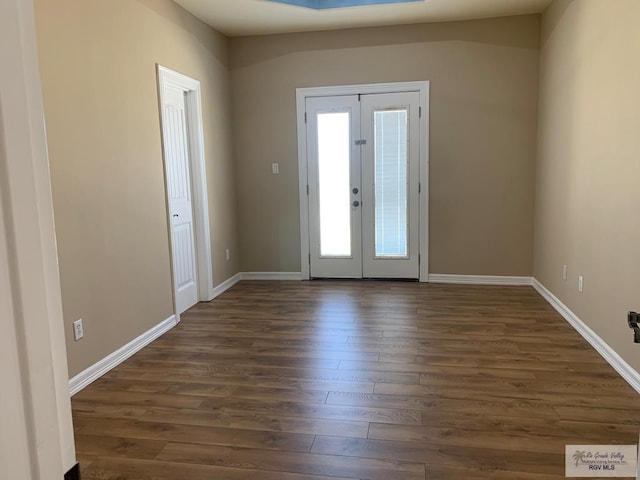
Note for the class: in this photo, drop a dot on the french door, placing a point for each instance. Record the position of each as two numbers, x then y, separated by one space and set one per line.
363 154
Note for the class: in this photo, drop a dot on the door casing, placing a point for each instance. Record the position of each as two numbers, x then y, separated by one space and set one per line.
301 96
193 105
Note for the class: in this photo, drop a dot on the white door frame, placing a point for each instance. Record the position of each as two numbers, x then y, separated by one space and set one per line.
301 97
36 431
193 103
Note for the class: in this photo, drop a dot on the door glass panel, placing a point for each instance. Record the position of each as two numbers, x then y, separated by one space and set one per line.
333 176
391 220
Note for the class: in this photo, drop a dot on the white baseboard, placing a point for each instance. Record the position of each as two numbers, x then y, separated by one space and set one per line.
111 361
479 279
224 286
625 370
433 278
271 276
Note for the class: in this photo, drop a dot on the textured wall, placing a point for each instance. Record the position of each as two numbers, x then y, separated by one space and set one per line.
484 84
587 204
99 82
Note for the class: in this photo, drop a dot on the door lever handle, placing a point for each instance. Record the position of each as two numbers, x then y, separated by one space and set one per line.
176 215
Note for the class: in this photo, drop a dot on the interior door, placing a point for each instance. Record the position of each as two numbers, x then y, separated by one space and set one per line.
178 177
363 176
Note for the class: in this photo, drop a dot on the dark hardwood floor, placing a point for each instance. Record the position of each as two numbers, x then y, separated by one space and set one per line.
355 380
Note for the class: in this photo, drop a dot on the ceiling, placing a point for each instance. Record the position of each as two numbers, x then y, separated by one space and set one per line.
235 18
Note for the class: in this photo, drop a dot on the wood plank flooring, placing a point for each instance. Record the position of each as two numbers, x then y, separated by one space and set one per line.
355 380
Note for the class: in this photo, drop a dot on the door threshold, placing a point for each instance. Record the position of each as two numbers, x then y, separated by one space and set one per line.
334 279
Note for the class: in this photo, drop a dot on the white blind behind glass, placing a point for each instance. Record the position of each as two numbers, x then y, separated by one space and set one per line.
391 222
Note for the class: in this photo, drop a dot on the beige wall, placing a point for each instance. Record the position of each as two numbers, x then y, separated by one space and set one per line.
587 204
99 83
484 87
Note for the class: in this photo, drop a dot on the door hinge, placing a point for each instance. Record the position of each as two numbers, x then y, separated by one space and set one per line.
419 259
419 112
307 189
309 259
419 187
305 117
361 142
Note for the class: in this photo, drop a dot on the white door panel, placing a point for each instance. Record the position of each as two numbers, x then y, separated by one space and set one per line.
334 173
390 180
177 164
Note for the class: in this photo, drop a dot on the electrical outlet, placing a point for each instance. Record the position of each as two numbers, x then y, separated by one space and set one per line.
275 168
580 283
564 272
228 254
78 330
